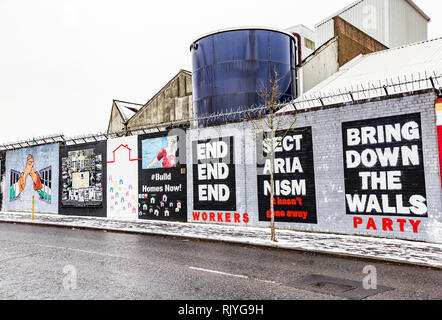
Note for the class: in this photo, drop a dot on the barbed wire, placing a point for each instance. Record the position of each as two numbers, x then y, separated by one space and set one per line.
310 100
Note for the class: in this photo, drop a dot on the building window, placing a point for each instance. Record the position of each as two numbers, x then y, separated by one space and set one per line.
309 44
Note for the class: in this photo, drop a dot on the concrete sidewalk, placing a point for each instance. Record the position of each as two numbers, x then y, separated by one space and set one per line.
400 251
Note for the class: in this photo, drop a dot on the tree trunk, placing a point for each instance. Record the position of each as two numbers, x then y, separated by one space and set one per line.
272 179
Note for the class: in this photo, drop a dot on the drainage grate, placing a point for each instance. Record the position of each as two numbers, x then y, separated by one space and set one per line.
330 286
344 288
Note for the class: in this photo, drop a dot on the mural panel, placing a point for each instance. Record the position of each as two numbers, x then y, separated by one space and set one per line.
33 172
83 179
162 178
214 181
384 172
294 178
122 178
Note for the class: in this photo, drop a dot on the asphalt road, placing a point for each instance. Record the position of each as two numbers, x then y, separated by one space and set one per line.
56 263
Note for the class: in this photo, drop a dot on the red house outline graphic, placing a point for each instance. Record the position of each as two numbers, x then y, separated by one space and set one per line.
130 152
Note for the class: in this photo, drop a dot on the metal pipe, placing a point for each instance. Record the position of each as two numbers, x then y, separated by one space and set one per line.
299 74
298 36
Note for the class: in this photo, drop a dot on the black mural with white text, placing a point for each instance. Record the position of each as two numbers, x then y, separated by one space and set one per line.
294 178
214 182
383 166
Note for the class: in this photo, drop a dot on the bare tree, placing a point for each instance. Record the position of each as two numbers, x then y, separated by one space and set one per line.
270 129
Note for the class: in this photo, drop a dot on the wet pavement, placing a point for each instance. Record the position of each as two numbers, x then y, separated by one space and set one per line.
401 251
45 262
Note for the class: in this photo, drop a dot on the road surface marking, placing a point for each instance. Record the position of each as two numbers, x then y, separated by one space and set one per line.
219 272
19 257
269 282
234 275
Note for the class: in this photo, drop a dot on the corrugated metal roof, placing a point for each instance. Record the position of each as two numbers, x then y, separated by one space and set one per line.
350 6
338 13
147 104
127 109
399 69
414 5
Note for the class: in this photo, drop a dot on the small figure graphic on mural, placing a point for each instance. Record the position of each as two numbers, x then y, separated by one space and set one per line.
178 207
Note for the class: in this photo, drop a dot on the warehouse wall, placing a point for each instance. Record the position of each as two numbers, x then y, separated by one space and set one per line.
391 22
353 42
368 168
347 43
321 65
172 103
116 123
331 184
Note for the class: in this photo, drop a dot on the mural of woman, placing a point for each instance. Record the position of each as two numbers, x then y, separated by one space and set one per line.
167 155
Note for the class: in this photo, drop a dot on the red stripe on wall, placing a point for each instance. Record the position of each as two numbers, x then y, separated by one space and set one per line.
439 139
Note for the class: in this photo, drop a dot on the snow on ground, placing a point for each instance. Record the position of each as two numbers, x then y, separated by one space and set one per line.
401 251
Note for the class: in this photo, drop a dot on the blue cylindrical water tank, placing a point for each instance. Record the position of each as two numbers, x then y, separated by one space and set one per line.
231 67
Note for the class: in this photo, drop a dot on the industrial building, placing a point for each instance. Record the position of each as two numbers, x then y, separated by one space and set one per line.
391 22
379 74
308 39
363 27
170 104
121 112
347 43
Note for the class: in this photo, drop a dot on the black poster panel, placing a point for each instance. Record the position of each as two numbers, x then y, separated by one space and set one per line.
83 179
294 177
214 182
162 177
383 166
2 174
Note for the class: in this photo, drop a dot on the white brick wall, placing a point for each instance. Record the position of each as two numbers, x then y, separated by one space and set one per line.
326 126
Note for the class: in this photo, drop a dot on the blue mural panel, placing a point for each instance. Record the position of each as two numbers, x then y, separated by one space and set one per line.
32 172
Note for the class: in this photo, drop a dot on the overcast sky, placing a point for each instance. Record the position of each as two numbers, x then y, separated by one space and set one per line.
62 62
